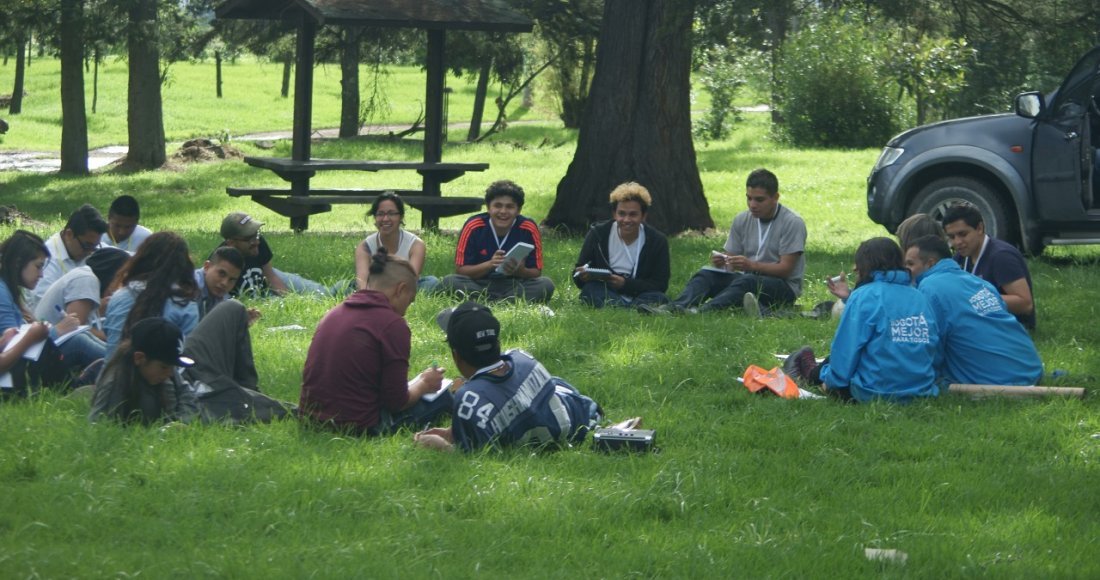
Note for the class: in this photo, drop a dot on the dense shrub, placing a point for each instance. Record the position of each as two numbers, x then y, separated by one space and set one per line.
832 94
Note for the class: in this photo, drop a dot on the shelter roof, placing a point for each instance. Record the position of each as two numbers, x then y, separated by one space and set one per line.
484 15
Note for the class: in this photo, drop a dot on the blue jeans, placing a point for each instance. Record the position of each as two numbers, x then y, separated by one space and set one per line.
598 294
300 285
725 289
82 350
426 284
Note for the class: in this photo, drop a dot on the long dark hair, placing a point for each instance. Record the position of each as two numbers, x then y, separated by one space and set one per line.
123 370
877 254
163 264
15 253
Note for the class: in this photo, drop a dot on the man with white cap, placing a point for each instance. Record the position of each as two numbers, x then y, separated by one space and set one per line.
508 399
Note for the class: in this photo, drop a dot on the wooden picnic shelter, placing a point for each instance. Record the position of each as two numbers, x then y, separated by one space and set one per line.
435 17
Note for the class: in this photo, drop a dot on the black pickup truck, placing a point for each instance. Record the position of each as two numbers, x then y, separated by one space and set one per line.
1030 173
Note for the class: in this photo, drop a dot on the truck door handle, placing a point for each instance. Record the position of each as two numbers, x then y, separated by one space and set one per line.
1071 135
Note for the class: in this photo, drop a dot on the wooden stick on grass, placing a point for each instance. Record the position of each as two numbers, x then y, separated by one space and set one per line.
979 391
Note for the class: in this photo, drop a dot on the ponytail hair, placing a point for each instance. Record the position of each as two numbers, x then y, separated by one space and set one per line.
387 271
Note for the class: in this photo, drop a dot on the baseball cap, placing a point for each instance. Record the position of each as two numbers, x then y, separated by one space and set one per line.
472 331
160 340
238 225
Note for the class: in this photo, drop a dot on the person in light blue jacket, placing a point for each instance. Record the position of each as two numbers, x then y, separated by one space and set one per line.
981 341
885 345
158 281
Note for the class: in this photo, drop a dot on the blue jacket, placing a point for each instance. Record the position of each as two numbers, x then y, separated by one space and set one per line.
10 315
886 342
981 342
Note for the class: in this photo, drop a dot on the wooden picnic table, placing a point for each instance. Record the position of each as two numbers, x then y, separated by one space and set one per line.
299 201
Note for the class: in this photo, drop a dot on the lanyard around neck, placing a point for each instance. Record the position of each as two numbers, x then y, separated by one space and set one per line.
400 240
129 242
633 259
966 262
762 233
500 242
61 248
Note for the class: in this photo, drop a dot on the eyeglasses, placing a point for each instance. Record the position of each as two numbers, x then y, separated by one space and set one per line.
387 214
87 246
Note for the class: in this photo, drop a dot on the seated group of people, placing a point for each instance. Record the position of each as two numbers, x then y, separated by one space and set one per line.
86 292
894 341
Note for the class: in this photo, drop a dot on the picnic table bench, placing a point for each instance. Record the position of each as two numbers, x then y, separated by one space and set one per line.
299 201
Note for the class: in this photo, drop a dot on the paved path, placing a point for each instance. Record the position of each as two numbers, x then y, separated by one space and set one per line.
45 162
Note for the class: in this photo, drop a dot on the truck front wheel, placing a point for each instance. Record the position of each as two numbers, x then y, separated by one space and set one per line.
935 198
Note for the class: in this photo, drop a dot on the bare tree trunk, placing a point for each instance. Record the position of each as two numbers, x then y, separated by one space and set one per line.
74 121
349 82
144 115
95 79
288 64
637 125
479 100
218 72
16 105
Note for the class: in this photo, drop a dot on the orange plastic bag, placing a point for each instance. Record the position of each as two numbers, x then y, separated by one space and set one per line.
757 379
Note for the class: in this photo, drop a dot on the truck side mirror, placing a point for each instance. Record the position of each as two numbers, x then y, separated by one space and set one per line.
1029 105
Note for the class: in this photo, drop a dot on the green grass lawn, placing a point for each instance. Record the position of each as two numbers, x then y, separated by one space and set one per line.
743 485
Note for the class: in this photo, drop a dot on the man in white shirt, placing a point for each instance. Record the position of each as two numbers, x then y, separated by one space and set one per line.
71 246
123 230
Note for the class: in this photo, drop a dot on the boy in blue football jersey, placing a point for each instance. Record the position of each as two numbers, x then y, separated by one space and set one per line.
508 399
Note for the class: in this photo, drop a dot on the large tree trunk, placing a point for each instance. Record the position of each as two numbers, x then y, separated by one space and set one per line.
479 100
144 116
637 126
16 105
349 82
74 121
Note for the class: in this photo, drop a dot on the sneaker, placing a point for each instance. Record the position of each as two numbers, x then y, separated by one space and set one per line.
800 364
650 309
751 305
